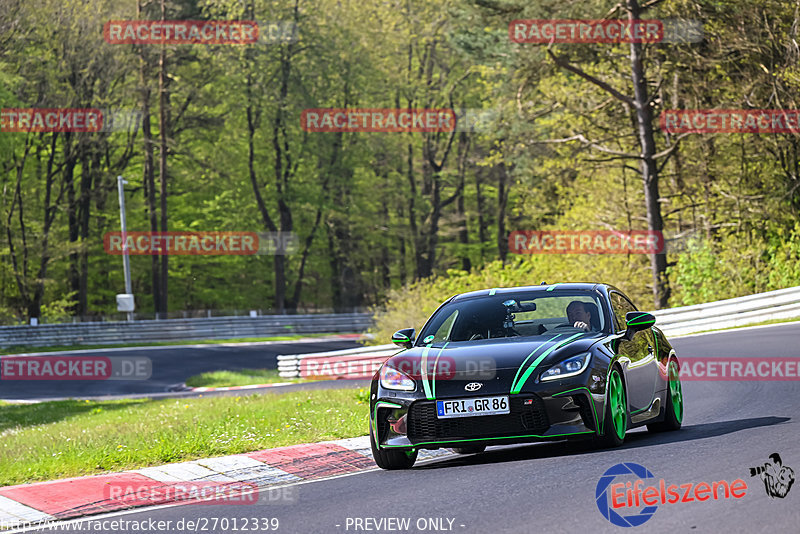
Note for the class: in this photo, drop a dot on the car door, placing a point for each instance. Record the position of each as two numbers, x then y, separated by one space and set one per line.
643 367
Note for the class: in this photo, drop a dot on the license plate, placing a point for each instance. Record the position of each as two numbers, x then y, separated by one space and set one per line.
472 407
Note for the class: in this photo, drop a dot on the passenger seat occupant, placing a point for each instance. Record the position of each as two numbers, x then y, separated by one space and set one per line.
580 315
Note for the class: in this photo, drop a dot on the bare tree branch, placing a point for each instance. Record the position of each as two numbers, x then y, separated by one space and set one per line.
666 154
648 5
564 64
601 148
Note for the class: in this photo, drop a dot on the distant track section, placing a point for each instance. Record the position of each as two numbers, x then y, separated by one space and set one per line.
181 329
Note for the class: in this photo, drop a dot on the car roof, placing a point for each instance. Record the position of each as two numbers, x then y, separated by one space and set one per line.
570 286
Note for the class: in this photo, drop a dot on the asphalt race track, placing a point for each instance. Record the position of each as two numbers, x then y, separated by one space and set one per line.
728 428
171 365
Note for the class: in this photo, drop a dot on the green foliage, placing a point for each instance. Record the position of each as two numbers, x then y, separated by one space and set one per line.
241 377
58 311
374 206
783 264
410 307
696 278
362 396
735 265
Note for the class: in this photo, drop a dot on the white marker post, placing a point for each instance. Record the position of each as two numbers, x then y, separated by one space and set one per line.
124 302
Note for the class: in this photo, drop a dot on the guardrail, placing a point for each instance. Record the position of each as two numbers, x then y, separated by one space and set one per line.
181 329
740 311
780 304
351 363
363 362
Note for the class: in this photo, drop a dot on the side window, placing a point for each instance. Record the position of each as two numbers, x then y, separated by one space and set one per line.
443 333
620 306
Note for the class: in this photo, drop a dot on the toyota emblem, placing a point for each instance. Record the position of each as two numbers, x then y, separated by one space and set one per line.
473 386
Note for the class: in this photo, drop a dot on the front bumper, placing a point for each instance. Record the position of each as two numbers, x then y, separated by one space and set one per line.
554 413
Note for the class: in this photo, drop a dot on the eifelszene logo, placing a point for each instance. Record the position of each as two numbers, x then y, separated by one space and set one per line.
777 478
602 497
615 498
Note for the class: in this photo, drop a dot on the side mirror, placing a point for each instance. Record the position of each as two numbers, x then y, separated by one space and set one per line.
404 338
635 321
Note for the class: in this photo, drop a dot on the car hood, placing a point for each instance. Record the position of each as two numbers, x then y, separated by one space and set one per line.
498 364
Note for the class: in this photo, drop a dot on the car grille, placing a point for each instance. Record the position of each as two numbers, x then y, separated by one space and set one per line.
423 425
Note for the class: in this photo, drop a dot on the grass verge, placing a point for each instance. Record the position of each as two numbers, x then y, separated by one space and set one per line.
51 440
242 377
19 349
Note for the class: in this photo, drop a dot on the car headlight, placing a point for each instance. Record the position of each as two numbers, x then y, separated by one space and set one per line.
391 378
570 367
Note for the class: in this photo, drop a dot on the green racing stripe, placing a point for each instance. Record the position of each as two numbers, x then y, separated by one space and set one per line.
539 436
435 367
514 382
629 323
655 338
430 388
424 372
517 386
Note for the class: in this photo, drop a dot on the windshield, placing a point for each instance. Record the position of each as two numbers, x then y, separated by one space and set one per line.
515 315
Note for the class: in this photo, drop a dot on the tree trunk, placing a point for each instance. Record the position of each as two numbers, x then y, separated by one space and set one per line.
84 212
502 201
479 202
644 120
463 233
386 281
333 262
35 306
412 212
402 249
163 105
79 308
149 170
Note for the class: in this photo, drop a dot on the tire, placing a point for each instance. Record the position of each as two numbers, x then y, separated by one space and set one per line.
391 459
673 407
615 420
470 449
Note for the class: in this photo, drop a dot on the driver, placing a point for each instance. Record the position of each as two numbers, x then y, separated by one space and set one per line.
579 316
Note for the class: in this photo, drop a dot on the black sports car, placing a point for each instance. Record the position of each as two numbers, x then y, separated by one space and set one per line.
522 364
